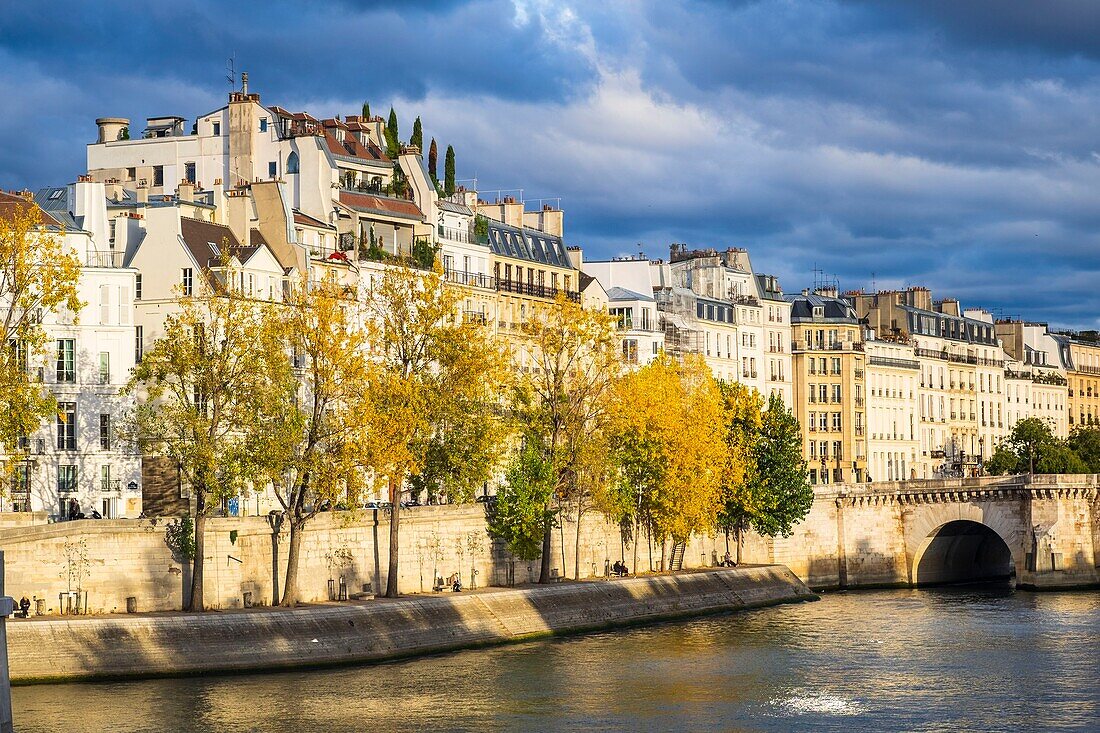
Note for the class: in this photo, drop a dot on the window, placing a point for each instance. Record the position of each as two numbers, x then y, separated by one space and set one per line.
272 169
105 431
66 479
630 351
217 129
836 421
104 367
292 162
104 304
131 174
158 175
263 124
137 287
112 226
66 426
836 393
66 360
823 393
139 346
188 283
189 172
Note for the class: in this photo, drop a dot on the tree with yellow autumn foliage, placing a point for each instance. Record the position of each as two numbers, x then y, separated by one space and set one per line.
435 383
205 386
572 359
312 444
667 437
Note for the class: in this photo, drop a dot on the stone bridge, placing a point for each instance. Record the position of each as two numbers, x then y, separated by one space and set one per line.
1043 530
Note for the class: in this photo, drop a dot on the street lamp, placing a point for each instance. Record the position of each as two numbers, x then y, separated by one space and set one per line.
981 454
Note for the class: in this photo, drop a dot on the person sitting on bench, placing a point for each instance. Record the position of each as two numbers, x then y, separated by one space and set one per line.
619 568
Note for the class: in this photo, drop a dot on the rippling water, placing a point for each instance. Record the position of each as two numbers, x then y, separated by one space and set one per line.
975 659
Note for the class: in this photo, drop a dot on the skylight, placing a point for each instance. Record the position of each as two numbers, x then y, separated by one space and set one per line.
214 248
56 194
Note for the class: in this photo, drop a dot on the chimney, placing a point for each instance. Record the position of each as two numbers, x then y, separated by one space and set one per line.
576 257
110 128
238 205
142 195
186 191
113 189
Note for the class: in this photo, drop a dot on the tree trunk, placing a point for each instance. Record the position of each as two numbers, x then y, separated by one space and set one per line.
738 537
395 521
637 534
195 603
577 554
290 585
544 566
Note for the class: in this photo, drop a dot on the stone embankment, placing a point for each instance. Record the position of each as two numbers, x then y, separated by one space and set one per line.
74 648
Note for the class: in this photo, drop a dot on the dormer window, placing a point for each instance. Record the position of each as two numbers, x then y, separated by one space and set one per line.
819 311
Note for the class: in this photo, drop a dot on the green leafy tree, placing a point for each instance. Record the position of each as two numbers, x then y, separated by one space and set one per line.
780 494
417 137
433 161
1032 448
366 111
393 141
1085 442
523 512
449 172
124 133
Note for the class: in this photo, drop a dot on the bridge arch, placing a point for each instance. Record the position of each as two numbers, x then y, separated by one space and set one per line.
962 551
965 541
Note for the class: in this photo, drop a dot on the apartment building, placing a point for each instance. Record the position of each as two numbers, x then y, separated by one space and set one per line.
1035 376
626 281
1081 357
75 463
779 376
892 378
961 388
710 305
531 266
829 367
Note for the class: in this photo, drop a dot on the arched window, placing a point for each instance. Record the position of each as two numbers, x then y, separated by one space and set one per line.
292 162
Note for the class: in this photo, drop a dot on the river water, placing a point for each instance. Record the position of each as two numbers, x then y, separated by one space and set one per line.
953 659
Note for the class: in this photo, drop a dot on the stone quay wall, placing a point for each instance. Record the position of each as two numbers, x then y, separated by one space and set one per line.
113 560
74 648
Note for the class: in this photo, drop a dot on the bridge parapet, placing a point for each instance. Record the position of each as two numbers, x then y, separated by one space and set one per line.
982 488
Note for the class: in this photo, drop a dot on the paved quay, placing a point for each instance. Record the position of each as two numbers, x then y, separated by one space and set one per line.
62 649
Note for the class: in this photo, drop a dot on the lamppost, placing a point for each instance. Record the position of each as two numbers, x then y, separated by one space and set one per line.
824 476
981 454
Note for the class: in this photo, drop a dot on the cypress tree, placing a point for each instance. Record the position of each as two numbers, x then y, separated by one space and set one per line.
417 137
449 171
366 111
393 143
433 160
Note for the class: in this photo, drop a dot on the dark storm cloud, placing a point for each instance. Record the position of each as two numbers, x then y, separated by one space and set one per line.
950 144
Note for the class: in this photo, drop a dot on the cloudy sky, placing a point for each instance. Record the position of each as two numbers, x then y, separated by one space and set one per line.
935 142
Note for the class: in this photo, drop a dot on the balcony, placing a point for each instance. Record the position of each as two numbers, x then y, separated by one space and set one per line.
535 290
110 485
470 279
475 317
822 346
460 236
104 259
887 361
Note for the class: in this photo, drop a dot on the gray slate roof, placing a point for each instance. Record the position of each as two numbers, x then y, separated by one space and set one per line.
527 244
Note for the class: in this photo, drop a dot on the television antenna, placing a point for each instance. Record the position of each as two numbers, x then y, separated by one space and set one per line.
231 72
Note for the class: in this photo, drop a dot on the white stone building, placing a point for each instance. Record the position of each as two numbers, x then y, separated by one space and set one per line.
893 374
75 463
630 299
